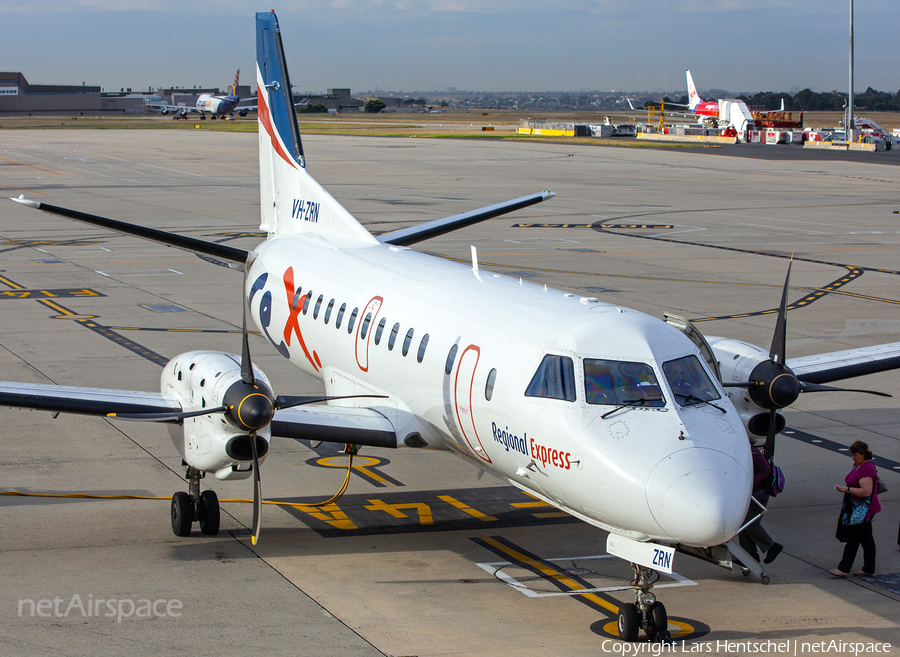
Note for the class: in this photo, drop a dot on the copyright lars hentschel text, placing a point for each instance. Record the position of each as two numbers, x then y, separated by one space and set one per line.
787 647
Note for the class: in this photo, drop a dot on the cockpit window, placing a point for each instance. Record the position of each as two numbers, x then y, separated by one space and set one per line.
554 379
621 383
688 381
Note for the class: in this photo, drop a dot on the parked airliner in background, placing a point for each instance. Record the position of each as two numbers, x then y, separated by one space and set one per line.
611 415
705 107
696 104
216 106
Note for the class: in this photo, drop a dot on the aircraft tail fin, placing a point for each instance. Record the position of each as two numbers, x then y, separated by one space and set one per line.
237 78
291 201
693 97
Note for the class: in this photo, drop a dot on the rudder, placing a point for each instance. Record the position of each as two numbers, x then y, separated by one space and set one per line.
693 97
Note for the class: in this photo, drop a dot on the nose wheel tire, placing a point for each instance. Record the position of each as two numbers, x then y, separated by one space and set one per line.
628 623
657 622
208 510
182 513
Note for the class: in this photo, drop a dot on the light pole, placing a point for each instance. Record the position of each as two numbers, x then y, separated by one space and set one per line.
850 123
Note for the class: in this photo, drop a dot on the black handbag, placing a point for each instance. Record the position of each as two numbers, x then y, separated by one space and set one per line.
842 533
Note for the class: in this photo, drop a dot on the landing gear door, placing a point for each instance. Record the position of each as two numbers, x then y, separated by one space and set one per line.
697 338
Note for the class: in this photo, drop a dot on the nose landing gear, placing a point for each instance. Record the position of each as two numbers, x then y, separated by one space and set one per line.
194 506
646 612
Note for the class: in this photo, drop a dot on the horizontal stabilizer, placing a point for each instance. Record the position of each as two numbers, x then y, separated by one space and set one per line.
169 239
421 232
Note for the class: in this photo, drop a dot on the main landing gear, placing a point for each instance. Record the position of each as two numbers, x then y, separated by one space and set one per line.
194 506
646 612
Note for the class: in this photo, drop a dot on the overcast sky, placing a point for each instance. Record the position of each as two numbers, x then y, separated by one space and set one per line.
478 45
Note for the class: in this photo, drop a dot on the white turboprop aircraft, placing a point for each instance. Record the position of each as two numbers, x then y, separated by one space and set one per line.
613 416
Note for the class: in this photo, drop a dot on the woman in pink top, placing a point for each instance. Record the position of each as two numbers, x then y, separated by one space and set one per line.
860 483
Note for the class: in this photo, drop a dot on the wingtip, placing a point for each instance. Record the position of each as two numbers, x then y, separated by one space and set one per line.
24 201
548 194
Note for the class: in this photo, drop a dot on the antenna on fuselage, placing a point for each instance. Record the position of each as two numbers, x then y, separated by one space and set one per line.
475 263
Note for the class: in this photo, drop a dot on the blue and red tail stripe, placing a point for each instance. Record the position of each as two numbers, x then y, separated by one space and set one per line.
276 102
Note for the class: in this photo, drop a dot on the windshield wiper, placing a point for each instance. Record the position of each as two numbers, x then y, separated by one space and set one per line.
699 401
629 403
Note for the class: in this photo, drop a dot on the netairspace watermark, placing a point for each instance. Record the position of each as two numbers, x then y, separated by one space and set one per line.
749 647
91 607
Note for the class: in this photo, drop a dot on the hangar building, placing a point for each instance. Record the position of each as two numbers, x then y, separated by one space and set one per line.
18 97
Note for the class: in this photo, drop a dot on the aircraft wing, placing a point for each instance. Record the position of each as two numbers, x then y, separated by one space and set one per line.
334 424
839 365
172 108
84 401
429 229
314 422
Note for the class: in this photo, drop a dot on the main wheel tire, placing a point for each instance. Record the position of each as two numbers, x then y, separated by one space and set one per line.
182 514
659 620
629 623
209 512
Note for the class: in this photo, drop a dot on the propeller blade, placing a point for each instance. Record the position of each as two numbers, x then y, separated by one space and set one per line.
815 387
290 401
257 491
769 448
246 365
165 417
777 350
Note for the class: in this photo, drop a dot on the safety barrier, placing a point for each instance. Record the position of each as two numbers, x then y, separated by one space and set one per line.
545 132
687 139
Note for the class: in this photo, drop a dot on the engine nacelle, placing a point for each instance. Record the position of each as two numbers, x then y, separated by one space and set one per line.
738 361
218 442
243 112
164 111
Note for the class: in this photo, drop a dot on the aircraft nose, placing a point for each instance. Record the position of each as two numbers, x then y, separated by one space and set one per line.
699 496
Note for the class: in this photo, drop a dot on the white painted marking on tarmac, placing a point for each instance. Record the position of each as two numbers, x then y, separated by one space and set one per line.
144 272
796 230
495 569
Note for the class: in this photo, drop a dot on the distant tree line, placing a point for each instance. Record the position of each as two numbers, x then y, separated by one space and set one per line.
829 101
811 101
318 108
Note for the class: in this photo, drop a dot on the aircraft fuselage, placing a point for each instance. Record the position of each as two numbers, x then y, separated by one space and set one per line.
356 317
218 105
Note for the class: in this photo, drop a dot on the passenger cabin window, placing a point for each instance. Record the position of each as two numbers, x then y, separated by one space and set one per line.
554 379
393 337
451 357
489 384
688 381
364 329
306 302
352 320
379 331
318 306
407 341
328 310
422 346
621 383
340 316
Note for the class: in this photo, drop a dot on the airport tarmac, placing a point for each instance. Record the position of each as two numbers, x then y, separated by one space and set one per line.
420 557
